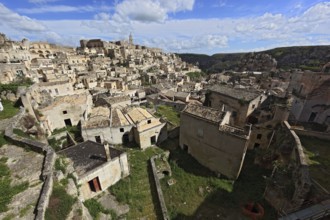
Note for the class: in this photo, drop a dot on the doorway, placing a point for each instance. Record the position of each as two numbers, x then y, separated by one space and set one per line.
67 122
312 116
98 139
153 139
125 138
95 185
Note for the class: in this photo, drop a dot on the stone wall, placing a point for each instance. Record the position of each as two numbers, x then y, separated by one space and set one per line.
301 172
49 160
174 133
159 189
316 134
287 198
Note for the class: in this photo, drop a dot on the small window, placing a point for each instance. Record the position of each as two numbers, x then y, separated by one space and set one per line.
256 145
56 90
253 106
234 114
98 139
121 129
65 112
149 121
200 132
259 136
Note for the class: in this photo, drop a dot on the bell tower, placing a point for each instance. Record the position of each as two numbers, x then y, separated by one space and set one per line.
130 39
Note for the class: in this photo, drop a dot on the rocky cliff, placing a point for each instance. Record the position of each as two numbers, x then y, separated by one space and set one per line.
303 57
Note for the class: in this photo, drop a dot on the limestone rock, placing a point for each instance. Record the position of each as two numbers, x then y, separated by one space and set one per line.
58 176
11 97
71 188
103 216
85 213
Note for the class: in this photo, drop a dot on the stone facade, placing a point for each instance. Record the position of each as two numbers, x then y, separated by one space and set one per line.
98 166
206 135
64 111
240 102
311 97
121 126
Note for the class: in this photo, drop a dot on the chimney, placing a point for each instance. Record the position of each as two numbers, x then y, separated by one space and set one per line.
107 150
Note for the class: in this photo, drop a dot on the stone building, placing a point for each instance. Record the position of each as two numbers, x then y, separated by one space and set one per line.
206 135
97 166
311 97
113 102
64 111
110 125
148 130
240 102
121 126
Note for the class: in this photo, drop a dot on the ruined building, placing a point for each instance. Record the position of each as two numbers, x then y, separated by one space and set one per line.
205 133
97 166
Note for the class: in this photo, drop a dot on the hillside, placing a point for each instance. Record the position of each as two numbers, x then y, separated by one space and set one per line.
303 57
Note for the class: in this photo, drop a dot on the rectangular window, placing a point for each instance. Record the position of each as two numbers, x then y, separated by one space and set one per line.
259 136
200 132
253 106
56 90
149 121
65 112
121 129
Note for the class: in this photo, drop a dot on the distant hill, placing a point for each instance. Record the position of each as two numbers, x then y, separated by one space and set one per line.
302 57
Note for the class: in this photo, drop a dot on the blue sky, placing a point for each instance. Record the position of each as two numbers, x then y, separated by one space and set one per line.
194 26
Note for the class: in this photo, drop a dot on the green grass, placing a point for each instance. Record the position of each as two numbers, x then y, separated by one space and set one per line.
318 152
60 204
9 217
197 192
135 190
95 208
195 75
3 141
25 210
7 191
14 85
60 165
21 133
169 113
9 109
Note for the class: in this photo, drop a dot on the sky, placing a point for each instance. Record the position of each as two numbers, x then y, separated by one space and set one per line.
182 26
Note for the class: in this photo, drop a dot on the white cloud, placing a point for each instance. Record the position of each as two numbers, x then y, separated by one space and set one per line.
12 20
61 8
220 4
42 1
102 16
150 23
149 10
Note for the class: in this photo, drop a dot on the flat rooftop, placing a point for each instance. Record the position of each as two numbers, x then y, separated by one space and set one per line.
99 117
88 155
240 94
204 113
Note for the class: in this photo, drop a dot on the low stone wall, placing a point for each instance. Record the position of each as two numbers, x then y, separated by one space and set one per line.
49 160
159 189
301 175
44 198
321 135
